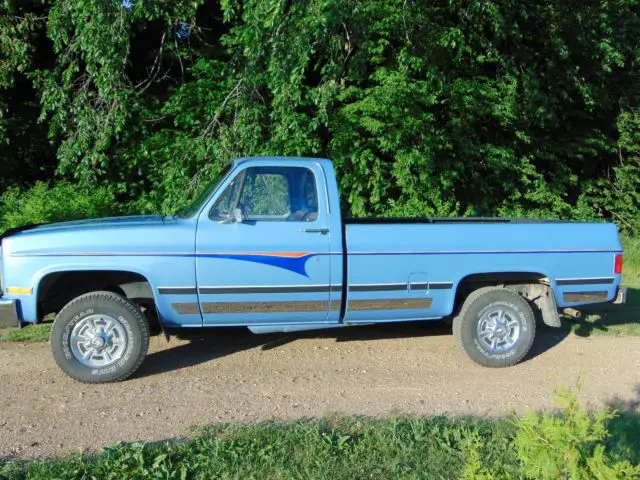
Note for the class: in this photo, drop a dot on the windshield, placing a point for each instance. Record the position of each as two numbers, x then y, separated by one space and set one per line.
201 199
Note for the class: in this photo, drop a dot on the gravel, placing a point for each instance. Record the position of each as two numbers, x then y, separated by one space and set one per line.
234 376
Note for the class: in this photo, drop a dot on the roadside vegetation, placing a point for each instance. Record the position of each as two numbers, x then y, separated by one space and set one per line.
427 109
632 264
32 333
571 443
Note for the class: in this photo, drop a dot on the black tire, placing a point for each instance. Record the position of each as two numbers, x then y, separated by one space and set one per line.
479 307
92 309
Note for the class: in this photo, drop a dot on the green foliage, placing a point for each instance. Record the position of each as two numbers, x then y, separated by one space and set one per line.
91 98
16 50
619 194
25 153
32 333
476 467
44 203
333 449
572 443
427 108
595 444
631 268
569 445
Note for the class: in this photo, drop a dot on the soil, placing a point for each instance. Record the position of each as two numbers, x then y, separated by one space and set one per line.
235 376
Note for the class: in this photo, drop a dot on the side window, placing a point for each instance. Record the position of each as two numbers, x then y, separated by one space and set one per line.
270 194
265 196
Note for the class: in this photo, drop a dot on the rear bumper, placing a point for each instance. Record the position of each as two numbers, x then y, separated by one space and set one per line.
9 313
621 296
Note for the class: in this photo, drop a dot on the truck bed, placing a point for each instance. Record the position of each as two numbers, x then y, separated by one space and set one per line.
406 269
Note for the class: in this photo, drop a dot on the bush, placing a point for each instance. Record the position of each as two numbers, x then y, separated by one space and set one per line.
45 203
427 108
617 196
569 444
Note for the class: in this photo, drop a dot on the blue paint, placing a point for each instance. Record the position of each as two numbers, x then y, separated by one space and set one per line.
295 265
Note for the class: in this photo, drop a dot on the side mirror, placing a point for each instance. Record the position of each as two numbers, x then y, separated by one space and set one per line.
237 215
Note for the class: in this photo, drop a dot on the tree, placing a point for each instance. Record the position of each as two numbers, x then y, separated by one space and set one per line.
427 108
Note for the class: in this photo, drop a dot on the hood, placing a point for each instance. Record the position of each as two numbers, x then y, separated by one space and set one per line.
133 220
135 234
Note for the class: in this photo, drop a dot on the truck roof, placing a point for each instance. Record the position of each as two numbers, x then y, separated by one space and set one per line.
240 160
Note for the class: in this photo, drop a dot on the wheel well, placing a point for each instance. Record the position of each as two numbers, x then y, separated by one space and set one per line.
510 280
535 287
59 288
479 280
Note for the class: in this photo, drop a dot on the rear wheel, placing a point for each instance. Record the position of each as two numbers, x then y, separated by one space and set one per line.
100 337
495 327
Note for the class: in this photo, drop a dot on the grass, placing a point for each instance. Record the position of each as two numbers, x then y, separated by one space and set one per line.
632 253
610 320
332 449
327 449
32 333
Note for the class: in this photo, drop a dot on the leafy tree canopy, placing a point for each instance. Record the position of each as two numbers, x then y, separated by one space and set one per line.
477 107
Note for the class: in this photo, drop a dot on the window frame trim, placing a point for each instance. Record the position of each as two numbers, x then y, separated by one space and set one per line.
243 172
234 204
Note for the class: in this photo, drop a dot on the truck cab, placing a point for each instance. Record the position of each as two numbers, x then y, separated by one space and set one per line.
269 245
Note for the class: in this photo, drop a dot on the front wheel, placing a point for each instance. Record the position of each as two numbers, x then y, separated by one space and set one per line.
495 327
99 337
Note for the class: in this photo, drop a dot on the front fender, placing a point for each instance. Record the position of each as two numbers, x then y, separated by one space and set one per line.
29 272
28 303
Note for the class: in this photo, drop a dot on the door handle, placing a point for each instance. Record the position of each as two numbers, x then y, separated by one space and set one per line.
321 231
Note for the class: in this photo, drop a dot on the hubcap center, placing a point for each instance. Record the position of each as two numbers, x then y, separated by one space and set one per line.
98 341
498 329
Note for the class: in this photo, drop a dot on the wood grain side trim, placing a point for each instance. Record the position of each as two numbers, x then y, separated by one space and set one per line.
390 304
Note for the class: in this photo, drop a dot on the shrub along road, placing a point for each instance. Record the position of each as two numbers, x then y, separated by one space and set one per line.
237 376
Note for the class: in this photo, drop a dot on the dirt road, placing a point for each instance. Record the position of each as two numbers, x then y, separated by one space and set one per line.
237 376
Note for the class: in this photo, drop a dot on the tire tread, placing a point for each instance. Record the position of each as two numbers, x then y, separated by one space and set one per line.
131 308
471 300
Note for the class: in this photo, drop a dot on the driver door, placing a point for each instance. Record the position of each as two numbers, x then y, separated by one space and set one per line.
263 248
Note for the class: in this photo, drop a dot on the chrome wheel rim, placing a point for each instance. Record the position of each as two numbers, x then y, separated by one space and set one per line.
98 341
498 329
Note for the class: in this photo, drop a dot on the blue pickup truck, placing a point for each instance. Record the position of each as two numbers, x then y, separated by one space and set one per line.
266 247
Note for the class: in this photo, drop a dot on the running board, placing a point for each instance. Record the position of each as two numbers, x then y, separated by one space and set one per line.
301 327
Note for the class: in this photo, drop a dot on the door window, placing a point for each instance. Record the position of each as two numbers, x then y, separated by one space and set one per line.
275 194
265 196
